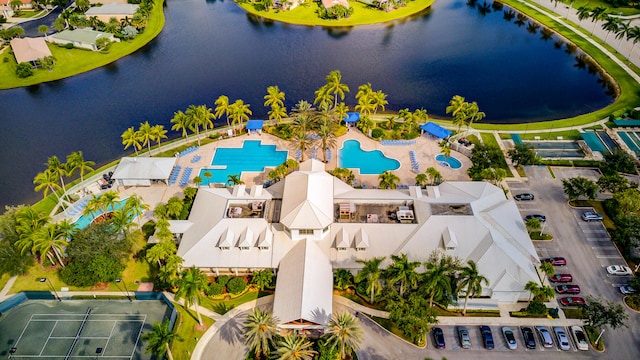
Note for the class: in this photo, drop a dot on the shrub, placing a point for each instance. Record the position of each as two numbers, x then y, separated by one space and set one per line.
222 280
377 133
68 46
236 285
536 308
214 289
5 59
24 70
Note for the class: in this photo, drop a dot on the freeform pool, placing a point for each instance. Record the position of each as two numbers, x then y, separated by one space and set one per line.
369 162
86 219
450 161
252 156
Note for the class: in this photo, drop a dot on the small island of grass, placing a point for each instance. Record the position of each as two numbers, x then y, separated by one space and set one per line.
362 14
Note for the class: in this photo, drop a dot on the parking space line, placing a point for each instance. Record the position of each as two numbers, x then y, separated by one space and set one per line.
606 247
608 257
597 239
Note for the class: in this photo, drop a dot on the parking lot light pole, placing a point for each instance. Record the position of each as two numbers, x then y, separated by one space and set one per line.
44 279
599 336
119 280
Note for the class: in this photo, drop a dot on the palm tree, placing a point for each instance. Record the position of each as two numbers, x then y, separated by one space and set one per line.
474 114
323 97
234 179
136 207
341 110
302 142
342 279
259 331
345 333
434 175
161 250
293 347
436 278
610 25
146 135
239 112
29 222
174 206
59 169
533 288
546 293
371 273
456 105
327 137
421 180
159 133
76 161
388 180
378 100
598 13
108 200
622 32
159 338
199 116
190 286
131 137
121 220
180 122
48 241
47 181
222 108
634 35
277 113
548 269
583 12
275 99
471 279
403 271
43 29
335 86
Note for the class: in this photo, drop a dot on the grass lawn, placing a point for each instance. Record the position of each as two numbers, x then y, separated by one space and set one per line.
362 14
593 334
595 3
221 306
573 313
76 61
186 328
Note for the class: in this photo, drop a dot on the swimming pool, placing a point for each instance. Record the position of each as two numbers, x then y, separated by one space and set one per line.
84 220
553 144
450 161
252 156
369 162
632 139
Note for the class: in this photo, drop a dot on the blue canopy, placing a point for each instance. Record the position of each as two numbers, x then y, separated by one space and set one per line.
352 117
255 124
436 130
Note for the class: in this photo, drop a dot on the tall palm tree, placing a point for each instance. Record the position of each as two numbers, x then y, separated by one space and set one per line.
323 97
274 97
388 180
107 200
234 179
421 179
199 116
547 269
136 207
121 219
146 135
222 108
622 32
161 251
131 137
437 278
335 86
583 12
327 137
293 347
474 114
259 331
239 112
77 161
29 221
190 286
159 338
378 100
456 105
634 35
277 113
50 242
47 181
533 288
597 14
345 333
159 133
59 169
301 141
402 271
610 25
471 281
364 96
371 273
180 122
434 175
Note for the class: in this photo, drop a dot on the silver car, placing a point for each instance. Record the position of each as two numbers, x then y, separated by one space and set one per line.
545 336
561 338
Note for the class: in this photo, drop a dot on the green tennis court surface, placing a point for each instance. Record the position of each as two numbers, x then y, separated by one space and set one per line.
79 329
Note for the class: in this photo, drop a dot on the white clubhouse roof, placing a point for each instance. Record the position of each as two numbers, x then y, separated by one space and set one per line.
305 201
154 168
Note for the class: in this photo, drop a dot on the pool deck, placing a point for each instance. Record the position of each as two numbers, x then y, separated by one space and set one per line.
426 150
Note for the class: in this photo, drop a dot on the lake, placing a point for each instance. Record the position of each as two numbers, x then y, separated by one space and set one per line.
514 71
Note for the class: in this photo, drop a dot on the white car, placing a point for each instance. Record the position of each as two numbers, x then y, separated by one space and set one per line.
619 270
580 337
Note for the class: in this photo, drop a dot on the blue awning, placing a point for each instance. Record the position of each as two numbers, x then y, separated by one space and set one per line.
255 124
436 130
352 117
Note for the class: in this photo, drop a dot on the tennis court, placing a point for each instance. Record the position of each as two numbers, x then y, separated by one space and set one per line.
79 329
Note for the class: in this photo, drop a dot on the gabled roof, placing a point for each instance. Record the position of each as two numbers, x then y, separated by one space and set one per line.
266 238
342 239
226 239
304 286
142 168
112 9
361 239
29 49
331 3
246 238
85 36
306 202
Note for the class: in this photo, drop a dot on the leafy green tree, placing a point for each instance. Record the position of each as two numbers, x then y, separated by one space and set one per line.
344 333
191 284
412 316
83 5
344 174
388 180
260 331
159 339
483 157
613 183
618 161
236 285
471 281
371 275
262 279
342 279
402 271
12 260
578 187
523 154
493 175
534 224
598 313
43 29
294 347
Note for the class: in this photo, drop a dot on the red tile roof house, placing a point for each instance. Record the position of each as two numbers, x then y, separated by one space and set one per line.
29 49
7 11
331 3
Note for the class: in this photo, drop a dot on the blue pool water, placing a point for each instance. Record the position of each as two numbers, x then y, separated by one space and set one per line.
252 156
453 162
84 220
632 139
594 142
369 162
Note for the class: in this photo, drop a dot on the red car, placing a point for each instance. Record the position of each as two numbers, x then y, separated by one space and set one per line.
561 278
568 289
572 301
555 261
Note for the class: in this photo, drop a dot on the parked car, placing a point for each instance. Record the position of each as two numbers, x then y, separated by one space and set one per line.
487 337
561 338
529 338
438 338
555 261
510 338
540 217
525 196
465 339
591 216
545 336
561 278
619 270
568 289
628 290
572 301
580 337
